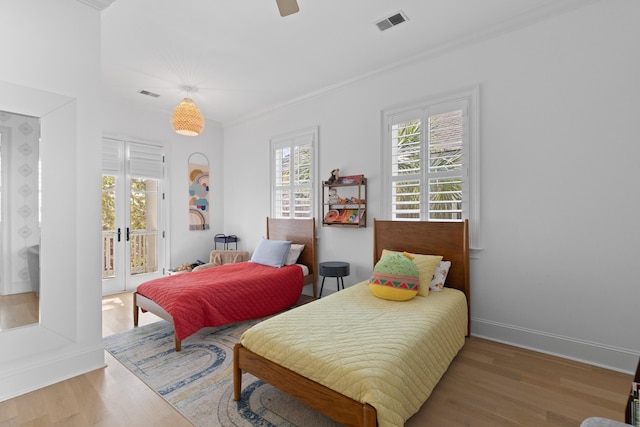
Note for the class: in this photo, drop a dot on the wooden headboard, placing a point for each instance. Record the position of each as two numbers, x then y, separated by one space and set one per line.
301 231
449 239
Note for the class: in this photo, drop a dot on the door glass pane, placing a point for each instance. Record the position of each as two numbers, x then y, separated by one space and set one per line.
143 230
108 226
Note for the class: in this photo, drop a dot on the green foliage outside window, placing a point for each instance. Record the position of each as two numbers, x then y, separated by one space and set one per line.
137 200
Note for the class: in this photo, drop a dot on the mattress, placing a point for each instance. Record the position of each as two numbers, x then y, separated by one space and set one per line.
389 354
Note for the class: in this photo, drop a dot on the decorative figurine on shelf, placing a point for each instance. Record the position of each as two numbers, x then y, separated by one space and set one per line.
333 195
335 174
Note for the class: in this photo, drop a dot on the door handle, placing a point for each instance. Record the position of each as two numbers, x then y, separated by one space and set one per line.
127 234
118 234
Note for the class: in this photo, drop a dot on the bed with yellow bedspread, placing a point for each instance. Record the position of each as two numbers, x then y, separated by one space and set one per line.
362 360
390 354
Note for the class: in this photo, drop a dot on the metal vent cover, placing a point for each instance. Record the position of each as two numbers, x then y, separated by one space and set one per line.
146 92
391 21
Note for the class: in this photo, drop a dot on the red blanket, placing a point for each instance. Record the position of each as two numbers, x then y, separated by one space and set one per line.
224 294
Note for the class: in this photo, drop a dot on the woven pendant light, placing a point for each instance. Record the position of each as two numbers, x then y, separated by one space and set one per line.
186 118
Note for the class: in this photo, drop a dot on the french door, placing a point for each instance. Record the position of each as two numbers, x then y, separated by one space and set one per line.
132 220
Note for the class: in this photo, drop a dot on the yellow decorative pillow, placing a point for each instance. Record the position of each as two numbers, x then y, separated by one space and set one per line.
427 265
395 278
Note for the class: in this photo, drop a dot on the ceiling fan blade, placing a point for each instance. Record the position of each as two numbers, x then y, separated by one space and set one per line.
287 7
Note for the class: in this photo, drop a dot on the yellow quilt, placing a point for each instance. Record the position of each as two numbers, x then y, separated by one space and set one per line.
389 354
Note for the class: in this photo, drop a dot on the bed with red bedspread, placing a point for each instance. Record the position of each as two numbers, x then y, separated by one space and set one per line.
232 292
225 294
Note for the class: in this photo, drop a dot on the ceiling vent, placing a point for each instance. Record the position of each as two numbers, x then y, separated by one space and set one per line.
391 21
151 94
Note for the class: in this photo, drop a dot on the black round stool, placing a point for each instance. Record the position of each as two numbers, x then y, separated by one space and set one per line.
337 269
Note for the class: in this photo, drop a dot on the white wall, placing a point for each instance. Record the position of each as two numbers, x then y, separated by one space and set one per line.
123 122
51 69
559 149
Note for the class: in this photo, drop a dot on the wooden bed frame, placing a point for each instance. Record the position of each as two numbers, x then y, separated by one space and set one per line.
301 231
449 239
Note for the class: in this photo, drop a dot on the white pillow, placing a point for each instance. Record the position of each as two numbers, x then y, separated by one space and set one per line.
294 254
439 276
271 252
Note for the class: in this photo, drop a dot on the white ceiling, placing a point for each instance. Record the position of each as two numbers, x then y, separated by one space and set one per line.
244 58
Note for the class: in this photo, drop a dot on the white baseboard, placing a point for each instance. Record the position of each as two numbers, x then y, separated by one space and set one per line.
46 371
592 353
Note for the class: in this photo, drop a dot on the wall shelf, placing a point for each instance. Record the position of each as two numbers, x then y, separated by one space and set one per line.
344 202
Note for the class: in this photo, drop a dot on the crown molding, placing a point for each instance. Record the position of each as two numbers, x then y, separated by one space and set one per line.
516 23
97 4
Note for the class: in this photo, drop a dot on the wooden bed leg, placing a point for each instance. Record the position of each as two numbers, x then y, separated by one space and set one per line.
135 311
237 374
178 344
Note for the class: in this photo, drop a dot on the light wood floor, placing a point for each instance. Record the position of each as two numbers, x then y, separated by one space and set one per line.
18 310
488 384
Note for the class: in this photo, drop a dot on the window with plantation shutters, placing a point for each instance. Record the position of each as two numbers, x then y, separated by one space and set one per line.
292 175
430 156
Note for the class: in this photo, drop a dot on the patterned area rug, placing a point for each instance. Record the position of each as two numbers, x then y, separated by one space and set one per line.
197 381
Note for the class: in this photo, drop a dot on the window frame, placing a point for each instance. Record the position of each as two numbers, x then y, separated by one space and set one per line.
469 97
292 140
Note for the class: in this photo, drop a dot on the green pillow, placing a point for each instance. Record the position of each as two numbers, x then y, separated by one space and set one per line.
427 265
395 277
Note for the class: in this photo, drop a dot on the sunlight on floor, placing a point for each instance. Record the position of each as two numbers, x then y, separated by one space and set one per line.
109 303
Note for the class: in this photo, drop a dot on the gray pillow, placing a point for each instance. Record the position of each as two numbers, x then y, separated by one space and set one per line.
271 252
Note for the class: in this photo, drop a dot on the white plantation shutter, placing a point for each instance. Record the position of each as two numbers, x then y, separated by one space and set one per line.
406 165
111 155
445 147
427 163
282 187
292 187
430 162
292 175
146 161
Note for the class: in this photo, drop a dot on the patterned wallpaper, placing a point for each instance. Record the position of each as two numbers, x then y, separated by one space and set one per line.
19 195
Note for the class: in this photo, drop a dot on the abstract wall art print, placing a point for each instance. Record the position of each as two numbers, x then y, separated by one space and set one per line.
199 192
